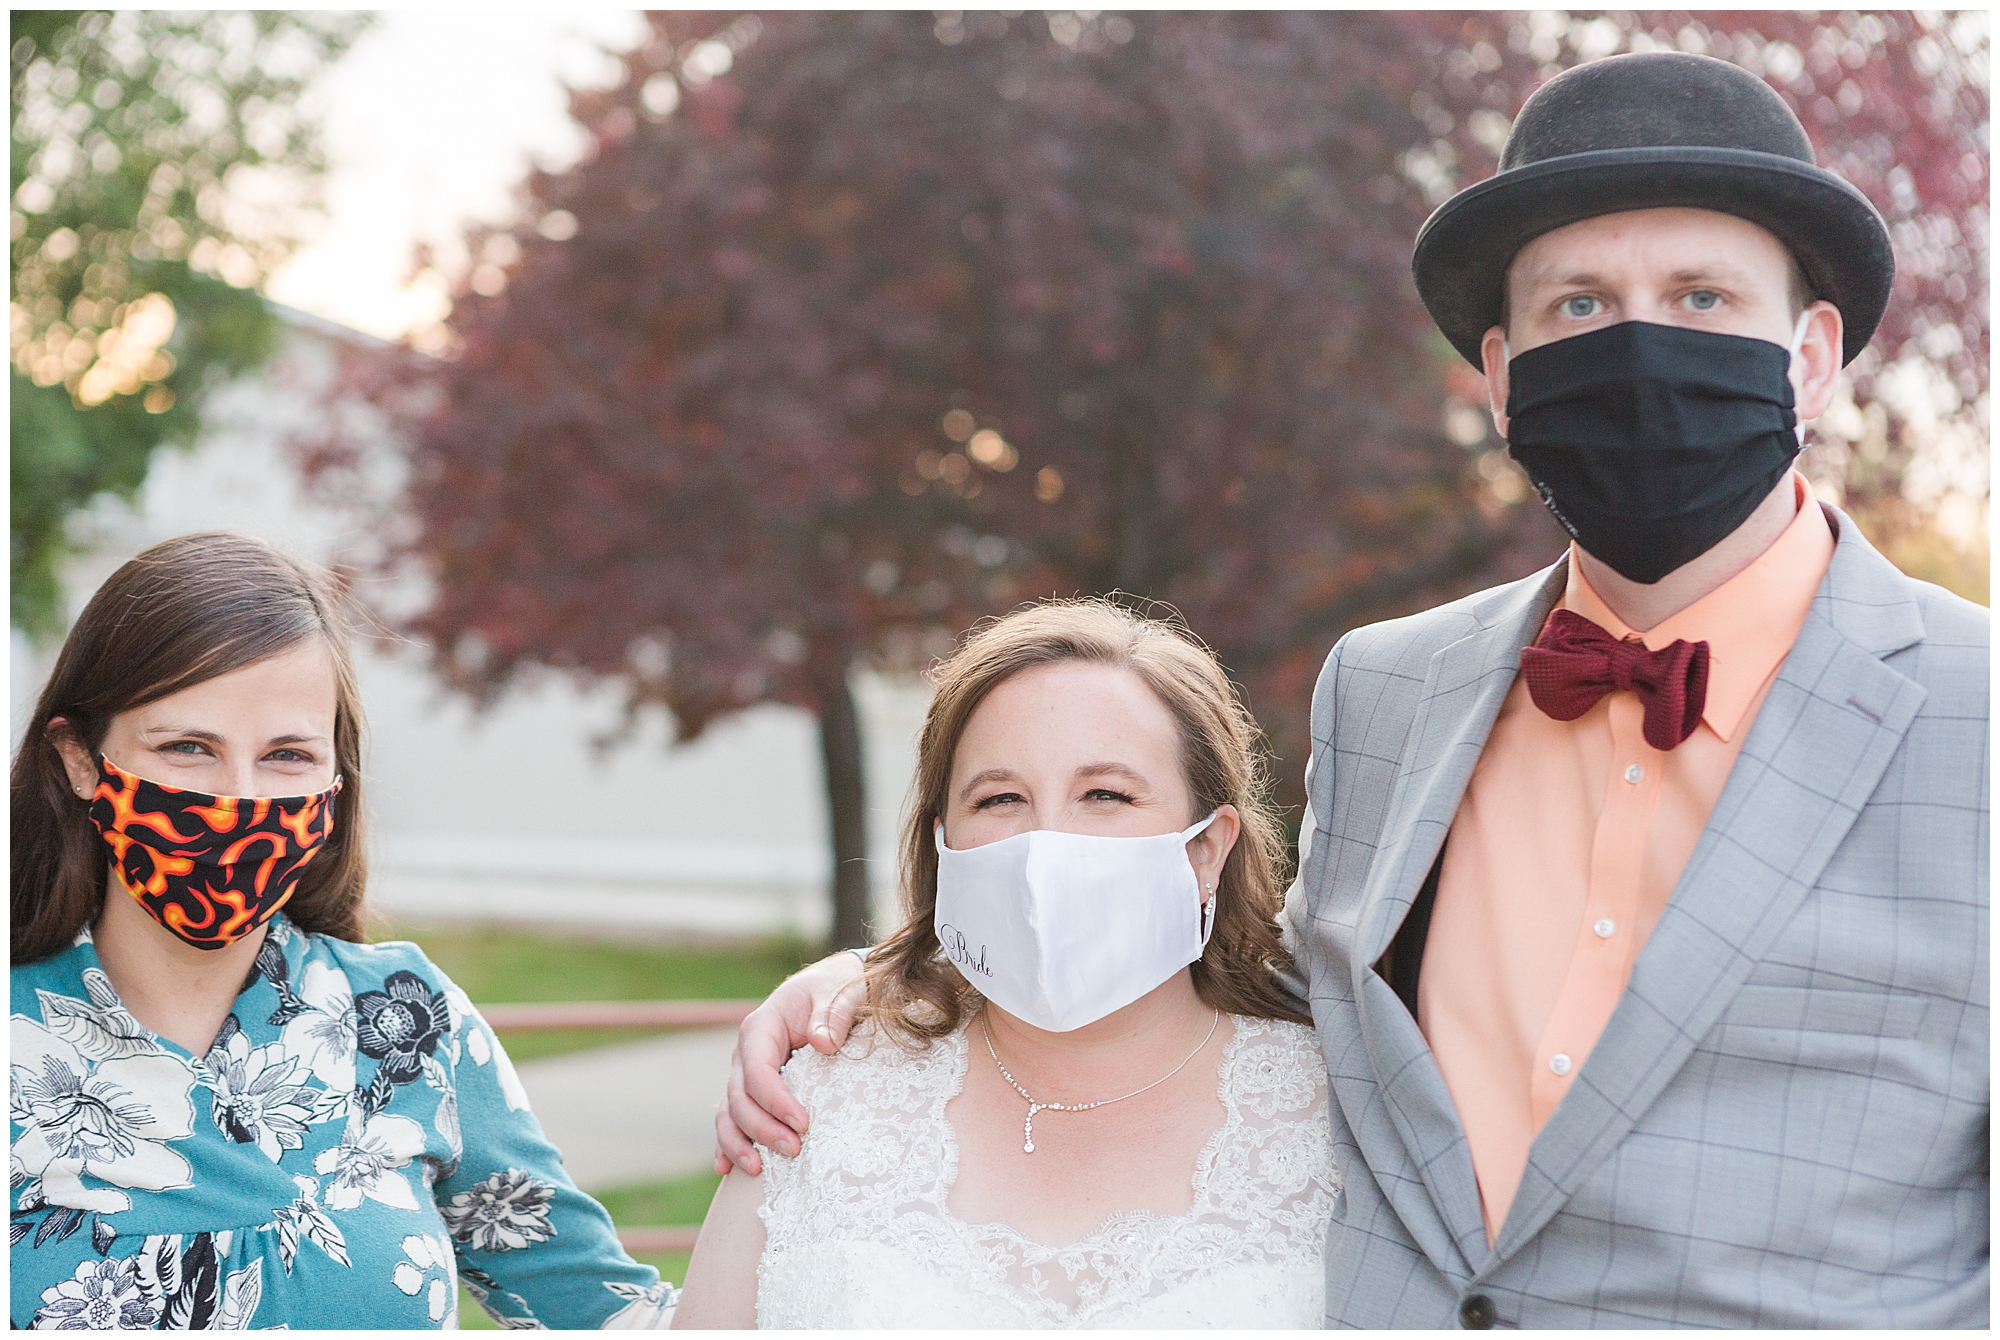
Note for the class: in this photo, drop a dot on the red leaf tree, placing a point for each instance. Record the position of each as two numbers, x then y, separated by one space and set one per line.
1194 322
853 327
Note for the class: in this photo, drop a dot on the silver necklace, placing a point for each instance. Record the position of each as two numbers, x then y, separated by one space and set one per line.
1028 1129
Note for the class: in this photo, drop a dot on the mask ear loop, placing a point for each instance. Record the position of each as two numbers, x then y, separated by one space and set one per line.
1799 332
1208 906
1792 351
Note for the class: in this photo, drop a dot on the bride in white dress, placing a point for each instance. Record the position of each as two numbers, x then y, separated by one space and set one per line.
1076 1097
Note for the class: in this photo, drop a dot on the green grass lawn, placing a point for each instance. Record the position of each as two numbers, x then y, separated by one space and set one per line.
496 964
680 1200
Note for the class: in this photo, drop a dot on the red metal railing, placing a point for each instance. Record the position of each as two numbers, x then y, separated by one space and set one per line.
648 1241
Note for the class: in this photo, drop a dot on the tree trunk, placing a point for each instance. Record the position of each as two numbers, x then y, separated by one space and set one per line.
840 747
1133 485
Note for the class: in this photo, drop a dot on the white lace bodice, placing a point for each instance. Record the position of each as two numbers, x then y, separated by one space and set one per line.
857 1233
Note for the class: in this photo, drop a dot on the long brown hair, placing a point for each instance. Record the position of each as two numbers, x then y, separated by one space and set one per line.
181 613
917 996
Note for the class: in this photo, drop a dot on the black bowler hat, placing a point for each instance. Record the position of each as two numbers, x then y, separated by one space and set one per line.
1642 131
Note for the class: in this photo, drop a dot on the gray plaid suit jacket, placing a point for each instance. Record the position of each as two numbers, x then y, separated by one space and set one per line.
1785 1121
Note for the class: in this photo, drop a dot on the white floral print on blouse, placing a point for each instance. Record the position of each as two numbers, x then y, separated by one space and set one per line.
353 1145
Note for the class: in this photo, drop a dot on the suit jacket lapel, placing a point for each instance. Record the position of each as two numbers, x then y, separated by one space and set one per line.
1827 730
1464 687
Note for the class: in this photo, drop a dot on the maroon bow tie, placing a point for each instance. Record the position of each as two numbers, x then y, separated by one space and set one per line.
1574 663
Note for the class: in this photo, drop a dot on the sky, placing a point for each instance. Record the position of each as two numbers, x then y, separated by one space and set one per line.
430 121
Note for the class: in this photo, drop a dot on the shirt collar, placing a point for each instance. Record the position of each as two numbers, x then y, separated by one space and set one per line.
1749 622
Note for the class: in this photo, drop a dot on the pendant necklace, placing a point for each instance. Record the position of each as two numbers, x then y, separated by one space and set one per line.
1028 1129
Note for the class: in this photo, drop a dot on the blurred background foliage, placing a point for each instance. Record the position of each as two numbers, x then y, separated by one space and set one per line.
162 164
855 327
852 328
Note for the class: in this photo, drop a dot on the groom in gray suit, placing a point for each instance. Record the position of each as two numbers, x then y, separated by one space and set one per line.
1644 901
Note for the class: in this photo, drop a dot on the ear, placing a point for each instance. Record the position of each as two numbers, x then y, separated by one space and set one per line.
1493 353
1211 847
1816 367
77 762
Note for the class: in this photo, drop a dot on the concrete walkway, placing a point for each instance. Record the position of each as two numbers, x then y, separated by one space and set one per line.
634 1112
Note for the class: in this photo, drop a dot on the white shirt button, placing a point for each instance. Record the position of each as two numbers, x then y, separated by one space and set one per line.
1605 928
1559 1063
1635 774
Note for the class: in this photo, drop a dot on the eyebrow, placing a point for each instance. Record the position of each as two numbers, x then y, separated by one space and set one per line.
190 732
1719 272
990 775
1713 273
1576 279
1114 769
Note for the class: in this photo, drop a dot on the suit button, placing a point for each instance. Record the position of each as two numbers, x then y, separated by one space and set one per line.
1476 1313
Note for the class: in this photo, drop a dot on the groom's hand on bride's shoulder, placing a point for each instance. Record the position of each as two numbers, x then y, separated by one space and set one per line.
813 1007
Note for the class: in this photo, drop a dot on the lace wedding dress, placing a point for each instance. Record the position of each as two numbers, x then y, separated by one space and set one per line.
858 1233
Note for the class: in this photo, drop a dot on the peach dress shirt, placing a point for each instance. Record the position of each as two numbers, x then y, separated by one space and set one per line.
1567 845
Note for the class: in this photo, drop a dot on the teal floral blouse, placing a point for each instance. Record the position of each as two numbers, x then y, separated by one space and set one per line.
354 1144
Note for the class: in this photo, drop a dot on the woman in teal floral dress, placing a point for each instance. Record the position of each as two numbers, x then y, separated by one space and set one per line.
224 1114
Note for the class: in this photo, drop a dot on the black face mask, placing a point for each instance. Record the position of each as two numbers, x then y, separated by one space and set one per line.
1651 443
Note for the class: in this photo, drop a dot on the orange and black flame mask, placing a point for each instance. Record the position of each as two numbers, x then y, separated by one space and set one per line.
211 869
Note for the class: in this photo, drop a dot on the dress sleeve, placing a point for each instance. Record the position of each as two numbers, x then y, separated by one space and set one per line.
531 1247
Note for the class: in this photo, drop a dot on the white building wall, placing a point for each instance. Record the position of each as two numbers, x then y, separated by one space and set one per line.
513 814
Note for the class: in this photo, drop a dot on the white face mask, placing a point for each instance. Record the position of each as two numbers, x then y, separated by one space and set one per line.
1061 929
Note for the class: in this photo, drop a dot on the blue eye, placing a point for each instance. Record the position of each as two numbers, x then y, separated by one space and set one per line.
1704 300
1580 306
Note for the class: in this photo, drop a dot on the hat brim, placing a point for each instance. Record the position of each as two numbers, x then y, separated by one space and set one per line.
1465 247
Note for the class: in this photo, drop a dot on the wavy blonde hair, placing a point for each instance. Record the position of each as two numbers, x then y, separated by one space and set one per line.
915 995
